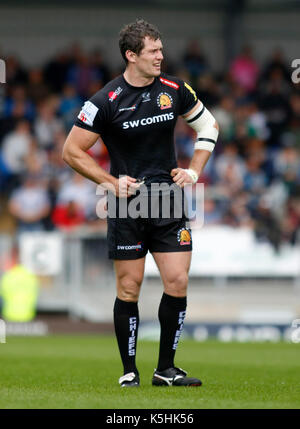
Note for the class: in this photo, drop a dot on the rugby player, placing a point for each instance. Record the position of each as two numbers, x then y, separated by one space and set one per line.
135 115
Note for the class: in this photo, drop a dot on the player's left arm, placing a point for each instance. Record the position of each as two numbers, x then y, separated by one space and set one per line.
203 122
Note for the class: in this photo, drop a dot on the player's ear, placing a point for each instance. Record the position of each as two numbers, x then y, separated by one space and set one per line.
131 56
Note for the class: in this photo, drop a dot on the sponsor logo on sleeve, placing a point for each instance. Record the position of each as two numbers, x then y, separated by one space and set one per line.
88 113
164 101
112 95
169 83
184 237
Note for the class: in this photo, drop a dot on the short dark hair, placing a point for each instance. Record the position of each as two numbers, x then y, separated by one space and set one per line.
132 36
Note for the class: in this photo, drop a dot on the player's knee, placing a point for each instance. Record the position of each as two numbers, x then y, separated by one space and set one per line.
129 288
176 285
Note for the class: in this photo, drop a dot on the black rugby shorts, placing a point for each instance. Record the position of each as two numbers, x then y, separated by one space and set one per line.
129 238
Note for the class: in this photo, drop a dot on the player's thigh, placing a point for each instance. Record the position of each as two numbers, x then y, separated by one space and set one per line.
126 239
174 268
129 276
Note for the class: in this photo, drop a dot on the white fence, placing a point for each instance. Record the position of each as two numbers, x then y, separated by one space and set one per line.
220 251
77 276
217 251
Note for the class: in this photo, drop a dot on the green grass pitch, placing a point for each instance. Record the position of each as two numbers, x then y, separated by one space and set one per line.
83 371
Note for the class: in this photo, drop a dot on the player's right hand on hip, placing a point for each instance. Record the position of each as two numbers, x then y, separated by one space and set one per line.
126 186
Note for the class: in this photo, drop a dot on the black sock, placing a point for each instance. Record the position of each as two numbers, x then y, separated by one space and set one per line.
126 320
171 315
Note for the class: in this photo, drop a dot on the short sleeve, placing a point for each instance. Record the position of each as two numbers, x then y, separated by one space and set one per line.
94 114
188 98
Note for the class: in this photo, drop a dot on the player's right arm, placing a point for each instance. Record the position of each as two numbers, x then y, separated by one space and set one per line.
80 139
78 142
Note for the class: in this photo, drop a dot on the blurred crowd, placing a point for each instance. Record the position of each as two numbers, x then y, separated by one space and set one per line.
252 179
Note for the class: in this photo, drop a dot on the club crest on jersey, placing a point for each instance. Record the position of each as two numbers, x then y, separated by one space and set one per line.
164 101
184 236
114 94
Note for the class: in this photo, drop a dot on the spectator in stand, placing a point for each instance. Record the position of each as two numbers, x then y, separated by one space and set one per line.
240 211
230 183
194 61
14 106
276 62
266 225
17 104
68 216
242 129
69 106
291 135
287 168
255 179
237 214
15 72
207 89
256 148
257 121
97 62
183 74
100 153
81 74
274 103
291 221
237 91
56 172
36 160
55 72
223 112
29 205
93 87
15 148
56 169
244 70
287 160
36 87
46 124
212 213
82 192
230 160
75 51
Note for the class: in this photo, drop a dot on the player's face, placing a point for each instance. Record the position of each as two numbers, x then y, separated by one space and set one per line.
148 62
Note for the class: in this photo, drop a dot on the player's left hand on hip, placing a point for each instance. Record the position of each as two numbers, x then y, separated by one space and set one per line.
181 177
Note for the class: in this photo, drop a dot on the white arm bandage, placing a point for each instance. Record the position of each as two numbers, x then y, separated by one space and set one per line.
202 121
